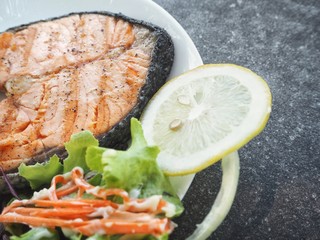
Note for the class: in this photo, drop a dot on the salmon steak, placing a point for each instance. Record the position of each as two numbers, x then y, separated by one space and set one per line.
83 71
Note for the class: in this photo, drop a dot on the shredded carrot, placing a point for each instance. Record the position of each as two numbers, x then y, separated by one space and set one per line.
64 192
66 213
80 203
39 221
155 227
78 179
55 207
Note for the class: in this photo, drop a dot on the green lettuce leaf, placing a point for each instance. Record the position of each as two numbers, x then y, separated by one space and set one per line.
134 170
35 173
76 148
103 237
37 234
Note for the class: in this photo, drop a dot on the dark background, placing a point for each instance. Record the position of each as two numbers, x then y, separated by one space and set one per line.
279 186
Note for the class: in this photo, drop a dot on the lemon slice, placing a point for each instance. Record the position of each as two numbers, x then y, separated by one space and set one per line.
201 116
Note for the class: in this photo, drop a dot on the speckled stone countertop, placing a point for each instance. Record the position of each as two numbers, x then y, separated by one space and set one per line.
279 187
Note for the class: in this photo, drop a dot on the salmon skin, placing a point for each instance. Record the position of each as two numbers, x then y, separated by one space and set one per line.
83 71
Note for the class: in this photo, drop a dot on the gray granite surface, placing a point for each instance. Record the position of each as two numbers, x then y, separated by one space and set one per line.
279 189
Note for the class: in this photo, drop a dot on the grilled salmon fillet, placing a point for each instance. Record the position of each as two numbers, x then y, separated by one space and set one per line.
84 71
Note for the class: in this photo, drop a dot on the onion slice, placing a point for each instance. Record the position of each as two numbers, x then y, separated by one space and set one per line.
221 206
6 179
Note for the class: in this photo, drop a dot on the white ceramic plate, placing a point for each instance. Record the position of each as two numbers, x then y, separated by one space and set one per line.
16 12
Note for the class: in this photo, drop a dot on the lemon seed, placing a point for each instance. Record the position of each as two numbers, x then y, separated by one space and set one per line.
175 124
184 100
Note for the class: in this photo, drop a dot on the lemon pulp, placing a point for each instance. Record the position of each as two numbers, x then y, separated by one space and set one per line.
201 112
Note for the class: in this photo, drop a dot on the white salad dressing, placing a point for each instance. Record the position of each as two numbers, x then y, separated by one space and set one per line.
169 210
42 194
149 204
104 212
93 191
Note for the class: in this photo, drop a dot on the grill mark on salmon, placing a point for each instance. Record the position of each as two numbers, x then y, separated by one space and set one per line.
90 71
